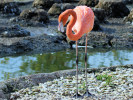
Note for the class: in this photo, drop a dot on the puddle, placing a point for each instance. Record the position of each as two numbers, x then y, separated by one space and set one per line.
15 66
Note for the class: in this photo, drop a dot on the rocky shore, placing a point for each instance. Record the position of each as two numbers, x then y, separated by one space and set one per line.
108 83
119 86
18 19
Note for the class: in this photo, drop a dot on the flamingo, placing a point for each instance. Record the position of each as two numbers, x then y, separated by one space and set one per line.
82 21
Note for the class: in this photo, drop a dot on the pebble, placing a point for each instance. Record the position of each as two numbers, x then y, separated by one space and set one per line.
120 87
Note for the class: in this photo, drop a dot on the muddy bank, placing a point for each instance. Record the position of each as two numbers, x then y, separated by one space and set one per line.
12 85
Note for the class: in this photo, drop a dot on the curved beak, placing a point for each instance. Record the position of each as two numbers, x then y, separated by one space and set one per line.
61 27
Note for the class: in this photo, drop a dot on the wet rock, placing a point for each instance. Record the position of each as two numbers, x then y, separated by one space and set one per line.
100 14
96 25
122 41
36 44
68 1
100 40
128 1
113 8
56 8
39 15
97 39
129 18
9 8
89 3
44 3
13 31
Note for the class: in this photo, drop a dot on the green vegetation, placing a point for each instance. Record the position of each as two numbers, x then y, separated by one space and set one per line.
5 61
106 78
82 86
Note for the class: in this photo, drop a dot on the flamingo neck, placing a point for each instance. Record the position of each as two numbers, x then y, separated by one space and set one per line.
70 35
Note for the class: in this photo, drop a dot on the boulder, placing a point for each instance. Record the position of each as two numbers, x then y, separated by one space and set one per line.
128 1
89 3
100 14
44 3
39 15
129 18
68 1
97 39
56 8
96 25
13 31
113 8
9 8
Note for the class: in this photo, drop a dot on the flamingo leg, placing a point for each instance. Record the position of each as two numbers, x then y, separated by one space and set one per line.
77 95
87 93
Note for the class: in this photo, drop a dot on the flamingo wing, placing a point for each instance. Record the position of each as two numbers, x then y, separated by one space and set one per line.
85 19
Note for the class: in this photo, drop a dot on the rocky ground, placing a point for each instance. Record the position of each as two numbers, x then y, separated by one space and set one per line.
110 83
119 86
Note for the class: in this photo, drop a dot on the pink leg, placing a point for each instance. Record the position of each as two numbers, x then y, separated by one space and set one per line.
77 95
87 93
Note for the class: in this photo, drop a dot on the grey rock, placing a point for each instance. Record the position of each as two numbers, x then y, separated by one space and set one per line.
113 8
44 3
100 14
57 8
39 15
13 31
9 8
89 3
129 18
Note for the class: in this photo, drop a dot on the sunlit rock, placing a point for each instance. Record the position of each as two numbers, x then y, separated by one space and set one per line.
113 8
57 8
39 15
89 3
44 3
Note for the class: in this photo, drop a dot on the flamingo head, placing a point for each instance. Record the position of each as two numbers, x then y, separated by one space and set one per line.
61 27
62 21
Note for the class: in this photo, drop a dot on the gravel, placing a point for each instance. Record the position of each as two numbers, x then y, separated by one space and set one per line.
118 87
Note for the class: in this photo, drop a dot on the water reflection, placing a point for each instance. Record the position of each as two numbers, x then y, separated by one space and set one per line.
11 67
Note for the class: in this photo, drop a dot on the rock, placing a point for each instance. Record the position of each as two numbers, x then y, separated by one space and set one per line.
44 3
129 18
99 13
89 3
56 8
9 8
68 1
113 8
39 15
2 95
96 25
13 31
97 40
128 1
103 84
122 41
32 44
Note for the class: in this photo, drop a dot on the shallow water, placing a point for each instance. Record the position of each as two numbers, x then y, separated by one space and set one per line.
15 66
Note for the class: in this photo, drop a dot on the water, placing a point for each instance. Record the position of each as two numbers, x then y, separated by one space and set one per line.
15 66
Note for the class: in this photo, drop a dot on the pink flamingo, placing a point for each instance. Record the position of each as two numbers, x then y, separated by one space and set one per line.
82 21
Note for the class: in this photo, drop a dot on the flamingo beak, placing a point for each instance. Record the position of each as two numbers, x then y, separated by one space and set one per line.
61 27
